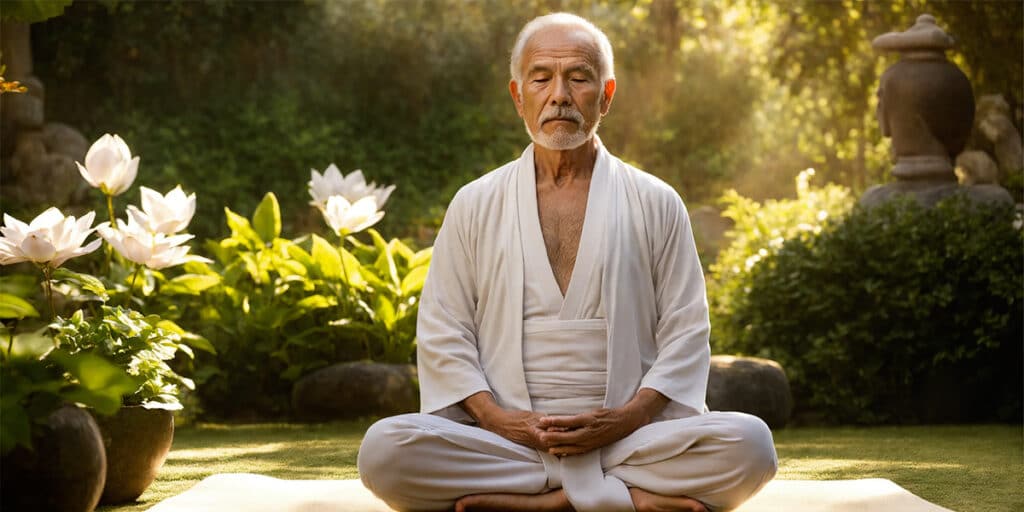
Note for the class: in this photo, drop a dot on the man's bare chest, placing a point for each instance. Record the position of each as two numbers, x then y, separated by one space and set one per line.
561 222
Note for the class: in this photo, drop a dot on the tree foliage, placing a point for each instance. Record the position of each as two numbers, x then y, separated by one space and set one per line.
248 96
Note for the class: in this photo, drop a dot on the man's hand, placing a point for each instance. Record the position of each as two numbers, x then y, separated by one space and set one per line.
517 426
565 435
581 433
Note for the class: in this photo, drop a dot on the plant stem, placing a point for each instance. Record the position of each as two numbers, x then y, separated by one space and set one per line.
131 287
343 301
47 273
108 250
10 338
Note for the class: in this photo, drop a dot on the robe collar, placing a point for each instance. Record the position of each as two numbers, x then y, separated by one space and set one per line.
604 219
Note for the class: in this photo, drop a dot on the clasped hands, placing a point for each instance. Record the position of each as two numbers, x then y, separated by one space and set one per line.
568 435
565 435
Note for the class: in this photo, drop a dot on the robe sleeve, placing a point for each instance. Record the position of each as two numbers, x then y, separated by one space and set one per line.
680 371
447 357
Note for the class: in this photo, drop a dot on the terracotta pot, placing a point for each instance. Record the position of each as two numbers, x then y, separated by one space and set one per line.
137 441
64 472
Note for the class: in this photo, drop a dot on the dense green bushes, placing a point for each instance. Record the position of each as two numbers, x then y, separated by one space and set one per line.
758 232
897 313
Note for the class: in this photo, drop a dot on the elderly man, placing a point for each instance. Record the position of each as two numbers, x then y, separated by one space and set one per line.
563 331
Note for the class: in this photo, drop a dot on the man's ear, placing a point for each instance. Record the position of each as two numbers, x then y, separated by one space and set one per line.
609 93
517 98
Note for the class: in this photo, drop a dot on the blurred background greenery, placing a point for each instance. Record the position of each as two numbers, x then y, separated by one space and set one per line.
237 98
728 101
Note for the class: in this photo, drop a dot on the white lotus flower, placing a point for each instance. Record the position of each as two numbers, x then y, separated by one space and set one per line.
165 214
109 165
352 187
345 217
136 243
51 238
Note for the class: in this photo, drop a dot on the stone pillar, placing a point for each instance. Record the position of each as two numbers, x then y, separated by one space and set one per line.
37 159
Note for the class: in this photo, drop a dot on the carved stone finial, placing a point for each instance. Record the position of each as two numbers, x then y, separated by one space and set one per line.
924 40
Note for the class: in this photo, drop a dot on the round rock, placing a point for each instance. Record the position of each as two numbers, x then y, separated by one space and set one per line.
751 385
356 389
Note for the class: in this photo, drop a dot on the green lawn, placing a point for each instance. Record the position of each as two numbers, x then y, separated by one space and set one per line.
964 468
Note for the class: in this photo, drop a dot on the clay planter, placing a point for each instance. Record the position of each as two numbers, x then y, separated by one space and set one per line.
137 441
64 472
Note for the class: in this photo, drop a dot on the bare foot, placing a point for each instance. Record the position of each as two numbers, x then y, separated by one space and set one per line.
554 501
645 501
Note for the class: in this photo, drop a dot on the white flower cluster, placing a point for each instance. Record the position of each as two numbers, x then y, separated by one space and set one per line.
348 203
148 238
50 238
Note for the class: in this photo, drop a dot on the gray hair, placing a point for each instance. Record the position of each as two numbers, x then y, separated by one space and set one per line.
605 59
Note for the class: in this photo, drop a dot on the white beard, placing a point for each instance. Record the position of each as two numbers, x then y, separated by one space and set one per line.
562 139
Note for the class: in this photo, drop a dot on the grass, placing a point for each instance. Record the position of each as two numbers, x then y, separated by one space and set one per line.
965 468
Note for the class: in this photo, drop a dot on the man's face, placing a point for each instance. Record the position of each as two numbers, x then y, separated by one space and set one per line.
561 99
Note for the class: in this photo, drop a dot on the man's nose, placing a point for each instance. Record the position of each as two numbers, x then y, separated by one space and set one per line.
560 95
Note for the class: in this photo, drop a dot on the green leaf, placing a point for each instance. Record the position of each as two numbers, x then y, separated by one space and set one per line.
267 218
84 281
385 311
12 307
101 382
327 259
315 302
32 11
401 250
385 261
253 268
190 284
241 229
191 339
300 255
21 285
353 269
31 344
421 257
413 281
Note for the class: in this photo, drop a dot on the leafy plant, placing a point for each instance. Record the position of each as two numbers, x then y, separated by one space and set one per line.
38 377
759 231
897 313
142 344
276 309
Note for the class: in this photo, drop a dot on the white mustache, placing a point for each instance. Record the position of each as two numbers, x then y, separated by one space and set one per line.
562 112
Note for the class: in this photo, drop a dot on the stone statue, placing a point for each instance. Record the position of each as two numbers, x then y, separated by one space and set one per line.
995 126
926 105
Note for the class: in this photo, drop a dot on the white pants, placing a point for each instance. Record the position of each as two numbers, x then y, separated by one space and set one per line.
425 462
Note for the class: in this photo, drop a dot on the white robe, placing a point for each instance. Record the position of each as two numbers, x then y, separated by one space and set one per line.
638 279
470 326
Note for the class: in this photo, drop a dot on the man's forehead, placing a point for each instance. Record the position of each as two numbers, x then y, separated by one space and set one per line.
561 41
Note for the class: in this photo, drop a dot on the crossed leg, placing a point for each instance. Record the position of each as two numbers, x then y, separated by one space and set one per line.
424 462
557 501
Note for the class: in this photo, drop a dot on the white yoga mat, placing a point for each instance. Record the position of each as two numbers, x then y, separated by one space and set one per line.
257 493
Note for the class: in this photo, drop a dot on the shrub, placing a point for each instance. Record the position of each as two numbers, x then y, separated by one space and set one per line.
276 309
759 232
897 313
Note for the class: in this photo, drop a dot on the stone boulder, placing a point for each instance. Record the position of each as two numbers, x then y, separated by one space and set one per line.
356 389
751 385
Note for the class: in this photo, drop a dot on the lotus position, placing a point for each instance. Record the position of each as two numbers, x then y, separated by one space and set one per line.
563 330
